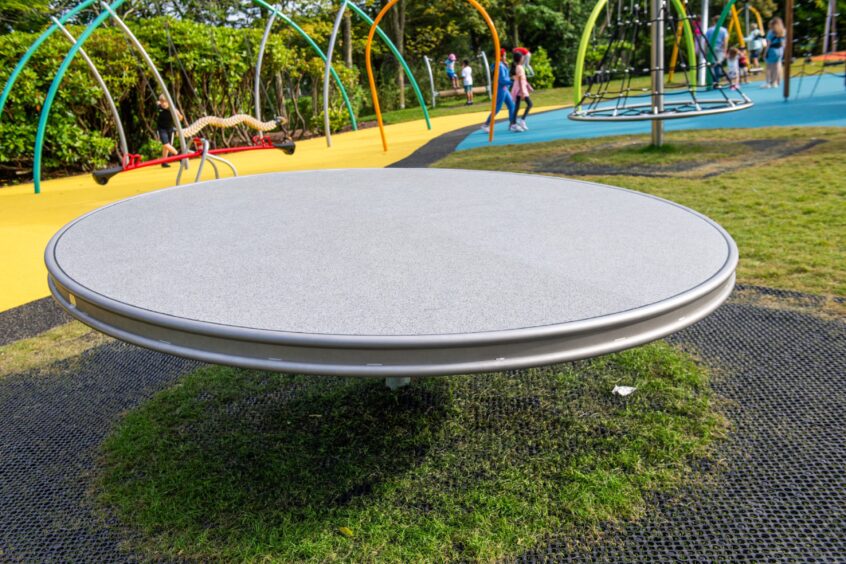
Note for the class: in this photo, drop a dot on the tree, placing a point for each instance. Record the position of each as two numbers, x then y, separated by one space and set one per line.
398 19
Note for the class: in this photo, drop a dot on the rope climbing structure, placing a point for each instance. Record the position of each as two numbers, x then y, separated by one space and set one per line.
623 87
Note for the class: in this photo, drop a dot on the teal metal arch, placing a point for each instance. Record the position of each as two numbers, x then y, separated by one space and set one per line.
54 89
10 82
97 22
709 54
317 50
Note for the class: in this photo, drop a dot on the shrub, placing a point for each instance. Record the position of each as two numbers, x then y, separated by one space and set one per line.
544 77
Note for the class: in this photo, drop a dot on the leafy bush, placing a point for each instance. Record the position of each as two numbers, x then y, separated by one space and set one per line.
544 78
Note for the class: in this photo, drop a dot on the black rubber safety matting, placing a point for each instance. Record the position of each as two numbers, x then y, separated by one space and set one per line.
30 319
778 494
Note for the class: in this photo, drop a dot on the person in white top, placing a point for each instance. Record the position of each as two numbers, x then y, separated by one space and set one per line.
467 80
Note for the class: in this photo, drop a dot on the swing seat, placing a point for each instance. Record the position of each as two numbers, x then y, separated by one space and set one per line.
288 147
103 175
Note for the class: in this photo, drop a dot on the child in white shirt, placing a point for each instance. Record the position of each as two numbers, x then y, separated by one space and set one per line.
467 79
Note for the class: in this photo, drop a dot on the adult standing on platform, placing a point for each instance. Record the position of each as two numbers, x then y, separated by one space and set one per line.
775 52
503 93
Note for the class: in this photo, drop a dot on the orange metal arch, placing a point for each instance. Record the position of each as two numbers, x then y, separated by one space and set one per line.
375 95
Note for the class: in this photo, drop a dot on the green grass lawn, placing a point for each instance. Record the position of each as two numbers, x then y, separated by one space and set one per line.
237 465
780 192
241 465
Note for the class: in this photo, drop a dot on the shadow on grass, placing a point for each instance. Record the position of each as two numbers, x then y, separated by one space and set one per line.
234 464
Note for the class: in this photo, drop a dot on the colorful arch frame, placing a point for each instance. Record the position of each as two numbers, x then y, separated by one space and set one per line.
371 79
76 47
360 13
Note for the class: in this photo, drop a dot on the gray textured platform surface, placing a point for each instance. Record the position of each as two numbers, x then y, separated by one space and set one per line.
392 254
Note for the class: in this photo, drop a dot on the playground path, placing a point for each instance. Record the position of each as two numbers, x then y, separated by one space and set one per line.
827 107
28 221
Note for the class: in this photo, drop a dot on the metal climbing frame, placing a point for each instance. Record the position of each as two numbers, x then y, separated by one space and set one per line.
124 149
109 10
314 47
371 79
601 104
328 65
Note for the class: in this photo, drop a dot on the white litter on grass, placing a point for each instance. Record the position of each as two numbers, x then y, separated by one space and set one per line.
623 390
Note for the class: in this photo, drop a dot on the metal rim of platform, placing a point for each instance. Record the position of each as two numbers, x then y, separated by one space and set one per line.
643 112
393 355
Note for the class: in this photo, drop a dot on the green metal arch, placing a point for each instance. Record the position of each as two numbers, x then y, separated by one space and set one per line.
709 55
10 82
585 42
54 88
317 50
723 16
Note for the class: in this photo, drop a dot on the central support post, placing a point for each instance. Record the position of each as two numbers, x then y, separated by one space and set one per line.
788 48
703 41
657 65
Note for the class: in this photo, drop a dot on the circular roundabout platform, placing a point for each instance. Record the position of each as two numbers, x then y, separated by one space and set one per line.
391 272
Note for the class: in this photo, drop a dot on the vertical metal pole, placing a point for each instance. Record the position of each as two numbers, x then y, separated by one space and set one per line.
829 27
703 60
788 49
121 134
487 71
203 158
260 61
328 65
431 80
657 64
317 51
746 19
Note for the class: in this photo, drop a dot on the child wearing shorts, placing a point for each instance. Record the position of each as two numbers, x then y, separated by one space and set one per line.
467 80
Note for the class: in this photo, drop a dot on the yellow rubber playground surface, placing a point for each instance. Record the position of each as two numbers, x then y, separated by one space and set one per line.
27 221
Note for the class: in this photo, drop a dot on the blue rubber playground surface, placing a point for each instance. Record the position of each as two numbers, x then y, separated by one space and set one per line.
827 107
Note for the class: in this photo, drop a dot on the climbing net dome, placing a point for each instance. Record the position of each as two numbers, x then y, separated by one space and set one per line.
626 75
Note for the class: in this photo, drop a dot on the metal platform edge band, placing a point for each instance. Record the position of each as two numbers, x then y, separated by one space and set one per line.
591 115
387 362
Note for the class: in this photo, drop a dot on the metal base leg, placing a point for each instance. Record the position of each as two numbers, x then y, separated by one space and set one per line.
396 383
